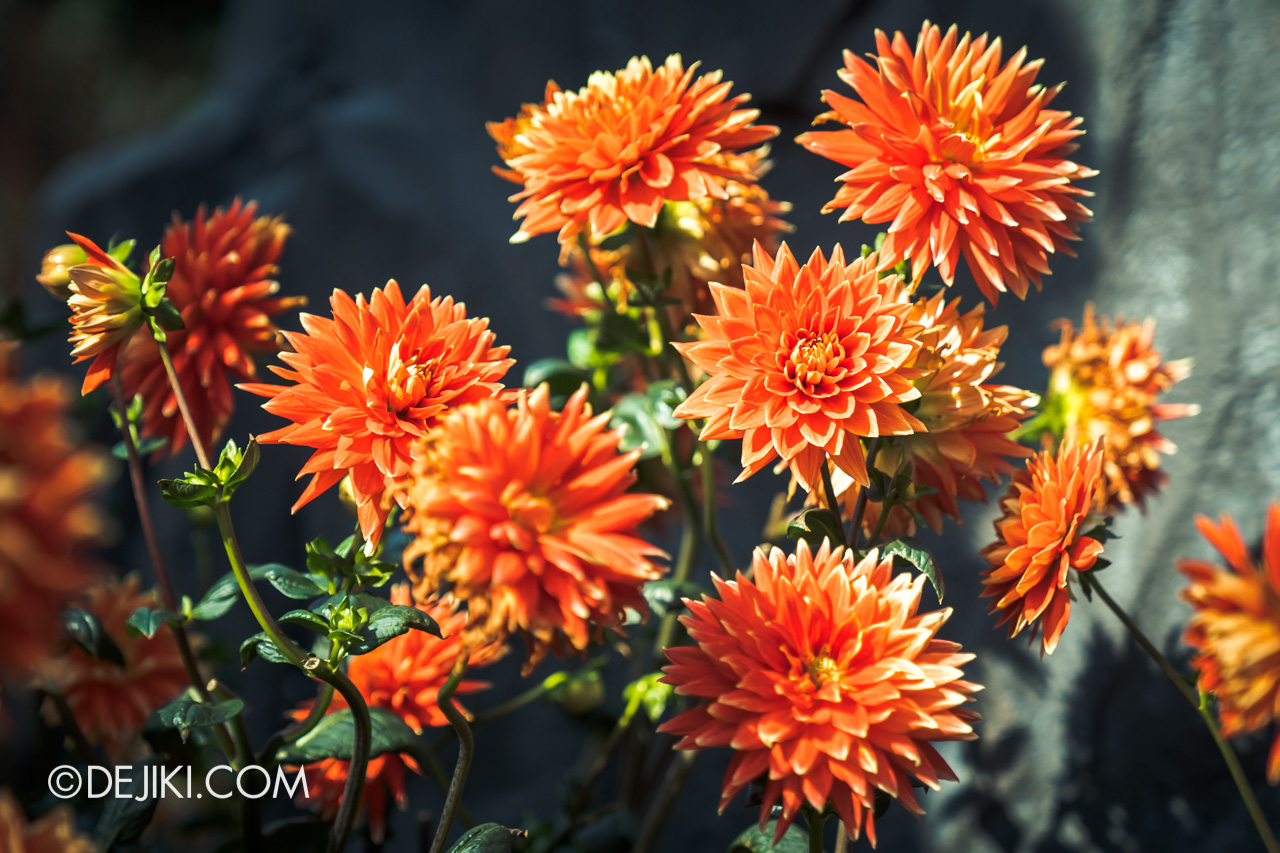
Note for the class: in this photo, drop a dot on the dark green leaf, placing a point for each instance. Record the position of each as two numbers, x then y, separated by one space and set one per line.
635 413
162 271
125 817
389 622
617 240
147 620
913 551
815 525
334 736
308 620
183 494
485 838
185 713
145 446
664 595
86 631
883 801
755 840
260 646
562 378
288 582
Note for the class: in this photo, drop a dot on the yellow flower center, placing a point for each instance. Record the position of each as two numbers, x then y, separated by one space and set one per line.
530 515
823 668
814 364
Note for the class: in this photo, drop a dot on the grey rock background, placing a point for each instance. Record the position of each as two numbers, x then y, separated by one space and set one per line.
365 125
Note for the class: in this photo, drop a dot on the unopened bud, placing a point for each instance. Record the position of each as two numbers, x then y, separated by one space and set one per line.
54 275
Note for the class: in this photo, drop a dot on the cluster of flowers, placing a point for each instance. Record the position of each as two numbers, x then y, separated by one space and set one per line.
817 668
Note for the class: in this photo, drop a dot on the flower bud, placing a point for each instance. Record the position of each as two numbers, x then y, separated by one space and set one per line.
55 269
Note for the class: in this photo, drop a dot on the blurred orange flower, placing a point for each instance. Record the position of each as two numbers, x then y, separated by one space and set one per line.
1235 629
110 702
1042 536
54 832
804 361
1104 383
960 155
623 145
820 673
106 308
524 513
222 284
48 519
403 675
370 382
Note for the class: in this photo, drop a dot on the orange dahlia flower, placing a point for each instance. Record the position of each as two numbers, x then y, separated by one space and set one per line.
1041 537
698 241
961 155
822 677
968 419
49 522
1104 382
1235 629
222 284
54 832
803 361
110 702
403 676
524 513
370 382
623 145
106 309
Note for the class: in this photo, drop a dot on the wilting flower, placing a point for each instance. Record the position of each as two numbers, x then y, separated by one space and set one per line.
960 155
54 832
1104 383
698 241
623 145
370 382
110 700
1042 536
55 269
524 513
48 520
106 309
804 361
968 419
403 676
822 677
222 284
1235 629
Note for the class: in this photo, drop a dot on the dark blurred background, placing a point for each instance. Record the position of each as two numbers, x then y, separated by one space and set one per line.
364 124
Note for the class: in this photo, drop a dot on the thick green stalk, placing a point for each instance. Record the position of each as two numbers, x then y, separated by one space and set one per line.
197 443
860 506
816 822
466 748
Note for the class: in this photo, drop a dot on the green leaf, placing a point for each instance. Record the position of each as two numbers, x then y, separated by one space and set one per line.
147 620
260 646
635 413
224 593
308 620
125 817
145 446
913 551
665 595
184 494
756 840
582 352
162 271
389 622
664 397
334 737
815 525
186 713
485 838
86 631
122 250
646 692
562 378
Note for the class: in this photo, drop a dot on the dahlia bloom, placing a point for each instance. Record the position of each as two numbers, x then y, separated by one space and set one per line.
403 676
803 361
222 285
49 521
819 672
623 145
1041 537
1235 629
106 309
525 513
373 380
110 702
698 241
1104 382
961 155
968 419
54 832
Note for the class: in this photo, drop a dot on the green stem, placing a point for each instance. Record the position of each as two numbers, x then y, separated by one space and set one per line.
294 731
815 831
239 731
833 502
358 767
197 444
710 514
1199 702
515 703
466 748
860 506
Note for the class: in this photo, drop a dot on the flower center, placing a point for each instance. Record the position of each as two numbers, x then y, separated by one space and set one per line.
823 668
529 516
814 364
406 381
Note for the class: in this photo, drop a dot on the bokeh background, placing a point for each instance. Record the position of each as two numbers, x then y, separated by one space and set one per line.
364 124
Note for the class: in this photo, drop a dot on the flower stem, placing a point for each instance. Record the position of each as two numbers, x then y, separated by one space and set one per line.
358 767
294 731
860 506
816 822
202 455
466 748
833 502
710 515
1200 703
